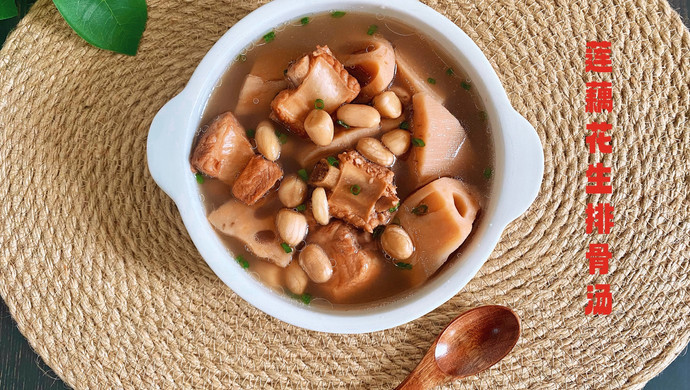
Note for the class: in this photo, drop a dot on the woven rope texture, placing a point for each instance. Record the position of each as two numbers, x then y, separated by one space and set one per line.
103 280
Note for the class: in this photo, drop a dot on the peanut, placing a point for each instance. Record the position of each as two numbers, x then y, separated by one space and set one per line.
396 242
292 226
292 191
359 115
373 150
397 141
315 262
388 104
319 206
267 141
319 127
295 279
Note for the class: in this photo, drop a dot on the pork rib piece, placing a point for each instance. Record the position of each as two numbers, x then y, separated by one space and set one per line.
318 75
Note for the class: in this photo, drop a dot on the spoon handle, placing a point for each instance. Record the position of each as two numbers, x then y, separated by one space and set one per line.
426 375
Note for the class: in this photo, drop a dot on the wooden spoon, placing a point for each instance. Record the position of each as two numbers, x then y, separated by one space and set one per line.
474 341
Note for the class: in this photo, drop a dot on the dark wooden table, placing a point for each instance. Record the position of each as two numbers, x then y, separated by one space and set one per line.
21 368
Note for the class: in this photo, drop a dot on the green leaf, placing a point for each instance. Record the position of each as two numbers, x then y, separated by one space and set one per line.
7 9
115 25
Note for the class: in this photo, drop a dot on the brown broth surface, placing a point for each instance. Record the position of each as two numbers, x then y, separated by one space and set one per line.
294 40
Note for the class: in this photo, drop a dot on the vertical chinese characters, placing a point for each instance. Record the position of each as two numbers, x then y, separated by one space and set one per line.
599 216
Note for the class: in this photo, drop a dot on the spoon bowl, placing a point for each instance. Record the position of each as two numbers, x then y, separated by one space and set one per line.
474 341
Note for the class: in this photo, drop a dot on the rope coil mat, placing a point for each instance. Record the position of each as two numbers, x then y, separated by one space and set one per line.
103 280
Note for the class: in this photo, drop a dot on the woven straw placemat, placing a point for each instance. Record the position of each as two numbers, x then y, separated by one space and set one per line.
103 280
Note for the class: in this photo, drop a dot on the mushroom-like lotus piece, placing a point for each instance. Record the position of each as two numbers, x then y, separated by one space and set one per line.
373 66
438 217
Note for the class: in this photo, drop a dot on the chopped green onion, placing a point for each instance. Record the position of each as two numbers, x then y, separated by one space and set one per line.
306 298
431 80
241 58
250 133
343 124
286 247
199 178
319 104
465 85
338 14
418 142
378 231
488 172
332 161
302 173
372 29
283 138
355 189
483 115
450 71
402 265
301 207
241 260
405 125
394 208
420 210
270 37
304 21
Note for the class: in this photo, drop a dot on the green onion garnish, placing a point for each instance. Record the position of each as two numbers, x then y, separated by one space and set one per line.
241 260
420 210
286 247
418 142
199 178
482 115
301 207
306 298
488 172
405 125
450 71
355 189
372 29
394 208
465 85
431 80
250 133
283 138
304 21
402 265
338 14
270 37
241 58
332 161
378 231
343 124
302 173
319 104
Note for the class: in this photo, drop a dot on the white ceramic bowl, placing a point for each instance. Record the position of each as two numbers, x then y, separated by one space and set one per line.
519 165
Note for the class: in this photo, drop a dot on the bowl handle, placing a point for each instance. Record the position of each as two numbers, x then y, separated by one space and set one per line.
164 144
524 167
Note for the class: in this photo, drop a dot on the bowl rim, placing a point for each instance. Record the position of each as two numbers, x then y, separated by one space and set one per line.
181 117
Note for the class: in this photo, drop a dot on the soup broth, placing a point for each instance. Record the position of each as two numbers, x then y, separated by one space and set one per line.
271 56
